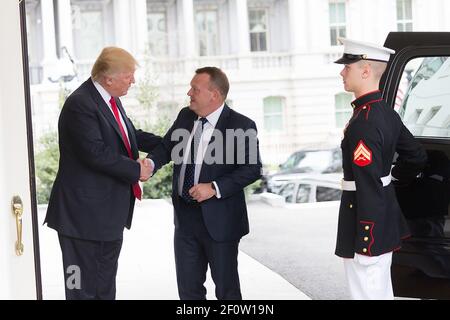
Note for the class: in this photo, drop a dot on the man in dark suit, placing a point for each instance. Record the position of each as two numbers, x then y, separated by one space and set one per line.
216 155
93 195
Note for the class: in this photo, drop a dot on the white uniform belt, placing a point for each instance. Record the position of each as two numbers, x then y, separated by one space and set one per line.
351 185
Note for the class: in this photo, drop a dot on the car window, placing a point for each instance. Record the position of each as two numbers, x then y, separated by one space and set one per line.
303 193
423 103
287 191
423 97
291 161
315 161
327 194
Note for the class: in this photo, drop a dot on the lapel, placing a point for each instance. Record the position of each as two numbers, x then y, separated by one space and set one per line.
221 126
190 119
223 120
102 106
106 111
188 124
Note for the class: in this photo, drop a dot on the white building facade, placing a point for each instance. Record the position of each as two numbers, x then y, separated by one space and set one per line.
278 54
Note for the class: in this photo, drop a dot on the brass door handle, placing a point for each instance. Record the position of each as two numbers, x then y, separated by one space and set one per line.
17 209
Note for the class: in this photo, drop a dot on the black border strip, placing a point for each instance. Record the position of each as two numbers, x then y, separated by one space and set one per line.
34 217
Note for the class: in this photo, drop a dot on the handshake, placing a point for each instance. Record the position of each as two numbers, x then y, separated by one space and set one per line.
146 169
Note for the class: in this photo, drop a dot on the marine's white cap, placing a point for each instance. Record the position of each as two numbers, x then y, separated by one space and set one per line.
357 50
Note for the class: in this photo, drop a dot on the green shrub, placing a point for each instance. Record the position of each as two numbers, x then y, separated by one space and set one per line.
46 163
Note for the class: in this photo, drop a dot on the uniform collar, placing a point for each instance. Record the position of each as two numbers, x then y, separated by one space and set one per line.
368 98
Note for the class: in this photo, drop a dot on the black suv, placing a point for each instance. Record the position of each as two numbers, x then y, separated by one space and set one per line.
417 85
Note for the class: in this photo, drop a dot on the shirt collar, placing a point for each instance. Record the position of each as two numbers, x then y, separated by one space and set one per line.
105 94
368 98
214 116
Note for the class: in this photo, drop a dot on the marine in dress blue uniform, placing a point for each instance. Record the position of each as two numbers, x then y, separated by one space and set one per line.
371 225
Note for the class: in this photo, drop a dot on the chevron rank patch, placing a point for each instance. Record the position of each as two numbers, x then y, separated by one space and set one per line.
362 156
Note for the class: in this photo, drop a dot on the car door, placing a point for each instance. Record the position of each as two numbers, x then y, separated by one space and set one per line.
19 252
417 85
304 193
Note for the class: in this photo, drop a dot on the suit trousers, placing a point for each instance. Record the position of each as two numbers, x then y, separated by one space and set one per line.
369 278
90 268
195 249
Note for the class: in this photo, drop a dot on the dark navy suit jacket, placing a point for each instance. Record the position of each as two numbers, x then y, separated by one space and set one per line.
92 197
225 218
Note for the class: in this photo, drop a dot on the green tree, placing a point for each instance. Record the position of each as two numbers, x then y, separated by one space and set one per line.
46 158
160 184
148 117
46 162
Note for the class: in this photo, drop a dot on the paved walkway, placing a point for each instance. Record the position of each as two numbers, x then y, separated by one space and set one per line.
147 266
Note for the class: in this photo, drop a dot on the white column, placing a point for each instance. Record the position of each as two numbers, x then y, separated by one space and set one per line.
317 36
122 24
49 44
65 66
186 31
65 25
140 29
298 19
240 28
239 25
300 31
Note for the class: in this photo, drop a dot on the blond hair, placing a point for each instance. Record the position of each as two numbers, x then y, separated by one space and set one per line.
113 60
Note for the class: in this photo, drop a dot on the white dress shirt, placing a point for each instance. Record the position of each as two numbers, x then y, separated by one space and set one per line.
208 129
106 96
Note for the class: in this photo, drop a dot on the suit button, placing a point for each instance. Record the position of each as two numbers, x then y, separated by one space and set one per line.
366 228
351 206
365 250
366 239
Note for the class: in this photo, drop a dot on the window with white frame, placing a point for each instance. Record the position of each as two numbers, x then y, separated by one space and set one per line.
343 109
404 15
88 28
157 32
258 26
273 114
207 32
337 21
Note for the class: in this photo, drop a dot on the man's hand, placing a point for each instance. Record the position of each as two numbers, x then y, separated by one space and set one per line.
146 169
202 192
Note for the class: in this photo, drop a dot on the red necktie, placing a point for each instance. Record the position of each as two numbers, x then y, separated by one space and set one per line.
136 188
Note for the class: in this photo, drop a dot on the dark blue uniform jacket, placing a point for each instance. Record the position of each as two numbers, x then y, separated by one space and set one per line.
370 220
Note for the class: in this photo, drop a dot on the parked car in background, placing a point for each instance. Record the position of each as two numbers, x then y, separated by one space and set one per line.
308 161
302 188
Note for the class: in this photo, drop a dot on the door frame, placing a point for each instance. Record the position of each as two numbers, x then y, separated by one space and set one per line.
31 167
410 45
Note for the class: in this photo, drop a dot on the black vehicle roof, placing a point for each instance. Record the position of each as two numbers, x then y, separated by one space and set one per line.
400 40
